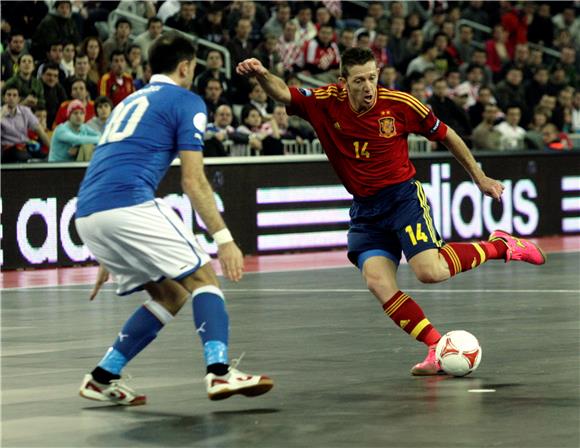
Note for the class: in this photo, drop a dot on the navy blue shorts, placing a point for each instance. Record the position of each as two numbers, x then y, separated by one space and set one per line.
397 219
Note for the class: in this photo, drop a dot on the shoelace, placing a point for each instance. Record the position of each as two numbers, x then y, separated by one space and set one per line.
121 383
236 361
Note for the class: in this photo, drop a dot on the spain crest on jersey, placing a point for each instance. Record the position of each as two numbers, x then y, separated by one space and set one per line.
387 127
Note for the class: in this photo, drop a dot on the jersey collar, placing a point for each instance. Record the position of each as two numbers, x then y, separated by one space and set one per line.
162 78
360 114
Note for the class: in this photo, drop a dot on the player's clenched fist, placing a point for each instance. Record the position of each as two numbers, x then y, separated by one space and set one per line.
491 187
250 67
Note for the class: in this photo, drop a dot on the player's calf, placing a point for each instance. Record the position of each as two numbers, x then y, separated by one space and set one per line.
429 267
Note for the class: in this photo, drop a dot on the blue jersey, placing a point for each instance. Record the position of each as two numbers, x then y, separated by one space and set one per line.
143 135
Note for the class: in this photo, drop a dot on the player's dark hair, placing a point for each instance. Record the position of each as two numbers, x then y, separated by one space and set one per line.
15 33
117 53
354 56
50 66
12 87
80 55
246 112
472 67
122 20
103 100
168 51
361 35
58 3
75 80
25 54
154 20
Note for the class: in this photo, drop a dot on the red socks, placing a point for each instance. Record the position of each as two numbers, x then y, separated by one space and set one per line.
409 316
462 257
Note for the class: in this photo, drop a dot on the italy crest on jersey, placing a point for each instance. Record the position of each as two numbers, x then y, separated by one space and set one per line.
387 127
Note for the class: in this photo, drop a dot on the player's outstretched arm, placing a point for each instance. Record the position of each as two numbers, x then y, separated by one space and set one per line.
457 147
196 186
274 87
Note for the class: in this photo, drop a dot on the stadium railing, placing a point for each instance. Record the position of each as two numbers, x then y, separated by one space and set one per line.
139 25
417 144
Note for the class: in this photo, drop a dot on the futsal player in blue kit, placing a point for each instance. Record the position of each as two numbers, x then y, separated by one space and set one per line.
142 241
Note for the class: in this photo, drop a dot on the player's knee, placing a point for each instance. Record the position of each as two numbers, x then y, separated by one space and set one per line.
377 284
430 274
204 276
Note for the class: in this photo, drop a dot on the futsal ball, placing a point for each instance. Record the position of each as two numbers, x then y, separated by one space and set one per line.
458 353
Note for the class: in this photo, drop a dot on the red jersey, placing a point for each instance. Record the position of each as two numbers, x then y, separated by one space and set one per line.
368 150
61 114
108 86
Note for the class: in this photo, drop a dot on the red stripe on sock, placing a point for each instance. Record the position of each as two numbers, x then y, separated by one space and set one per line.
408 316
461 257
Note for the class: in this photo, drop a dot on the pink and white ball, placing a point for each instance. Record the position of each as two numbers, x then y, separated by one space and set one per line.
458 353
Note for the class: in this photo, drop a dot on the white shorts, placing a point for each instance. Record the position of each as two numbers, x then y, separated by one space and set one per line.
142 243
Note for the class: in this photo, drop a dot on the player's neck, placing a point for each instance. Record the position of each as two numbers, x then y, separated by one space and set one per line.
359 108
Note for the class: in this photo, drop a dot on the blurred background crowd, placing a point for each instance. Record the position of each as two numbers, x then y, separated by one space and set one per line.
503 74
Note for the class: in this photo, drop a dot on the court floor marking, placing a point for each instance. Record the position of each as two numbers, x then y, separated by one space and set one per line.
57 288
265 270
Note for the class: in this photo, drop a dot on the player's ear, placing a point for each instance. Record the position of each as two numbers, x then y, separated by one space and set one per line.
342 80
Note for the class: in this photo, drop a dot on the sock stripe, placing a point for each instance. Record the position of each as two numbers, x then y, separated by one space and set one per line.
480 252
208 288
453 257
456 260
158 311
419 328
395 306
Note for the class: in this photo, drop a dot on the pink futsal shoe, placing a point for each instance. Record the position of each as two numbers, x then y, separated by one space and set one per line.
519 249
430 366
116 392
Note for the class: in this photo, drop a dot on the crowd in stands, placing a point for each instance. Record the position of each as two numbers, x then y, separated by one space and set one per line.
510 88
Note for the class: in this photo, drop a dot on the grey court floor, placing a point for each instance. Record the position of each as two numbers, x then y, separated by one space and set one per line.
340 367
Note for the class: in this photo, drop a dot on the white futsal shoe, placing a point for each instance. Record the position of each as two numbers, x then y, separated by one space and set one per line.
235 382
116 392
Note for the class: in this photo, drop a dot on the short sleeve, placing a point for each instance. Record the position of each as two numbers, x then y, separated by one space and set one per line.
191 122
301 100
428 126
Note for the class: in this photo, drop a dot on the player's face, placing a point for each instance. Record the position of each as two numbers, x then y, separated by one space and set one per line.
77 117
82 66
188 70
223 116
26 65
12 98
103 111
361 85
79 91
93 49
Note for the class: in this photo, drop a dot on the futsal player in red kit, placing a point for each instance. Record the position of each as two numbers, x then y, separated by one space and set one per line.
363 129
